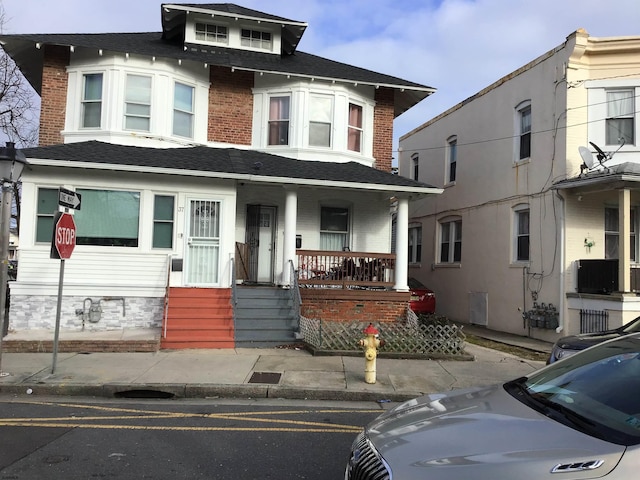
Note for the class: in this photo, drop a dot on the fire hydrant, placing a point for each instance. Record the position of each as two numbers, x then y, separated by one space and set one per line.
370 344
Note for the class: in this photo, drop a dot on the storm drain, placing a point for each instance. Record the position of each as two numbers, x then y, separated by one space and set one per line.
265 377
144 393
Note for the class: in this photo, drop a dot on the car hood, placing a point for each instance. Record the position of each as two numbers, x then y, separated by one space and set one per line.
585 340
483 434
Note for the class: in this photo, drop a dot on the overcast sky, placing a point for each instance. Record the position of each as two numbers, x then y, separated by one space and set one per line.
455 46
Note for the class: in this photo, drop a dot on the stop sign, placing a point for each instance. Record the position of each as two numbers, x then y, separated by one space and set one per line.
65 235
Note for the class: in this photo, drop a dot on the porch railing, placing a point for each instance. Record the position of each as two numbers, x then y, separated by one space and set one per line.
601 276
345 269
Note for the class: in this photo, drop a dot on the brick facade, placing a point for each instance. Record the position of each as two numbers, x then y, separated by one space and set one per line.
354 305
230 106
383 128
54 94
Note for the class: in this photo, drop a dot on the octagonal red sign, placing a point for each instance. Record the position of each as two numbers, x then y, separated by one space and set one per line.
65 235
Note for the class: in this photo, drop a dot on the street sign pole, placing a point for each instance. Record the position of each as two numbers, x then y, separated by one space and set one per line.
58 310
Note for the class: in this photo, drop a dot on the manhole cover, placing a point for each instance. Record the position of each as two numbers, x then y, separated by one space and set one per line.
265 377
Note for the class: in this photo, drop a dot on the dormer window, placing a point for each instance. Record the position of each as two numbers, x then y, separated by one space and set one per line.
211 33
255 39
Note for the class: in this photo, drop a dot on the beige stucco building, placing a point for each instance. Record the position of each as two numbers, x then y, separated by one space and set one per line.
527 234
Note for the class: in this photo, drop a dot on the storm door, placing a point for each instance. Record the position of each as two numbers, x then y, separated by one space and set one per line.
203 243
260 236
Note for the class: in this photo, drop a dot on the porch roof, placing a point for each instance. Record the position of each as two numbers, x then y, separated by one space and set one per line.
226 163
615 177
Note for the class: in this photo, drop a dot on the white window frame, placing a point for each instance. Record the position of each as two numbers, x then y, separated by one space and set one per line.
190 114
211 33
450 236
138 104
281 121
452 158
344 234
87 102
256 39
415 243
353 130
613 115
319 117
519 234
523 132
612 237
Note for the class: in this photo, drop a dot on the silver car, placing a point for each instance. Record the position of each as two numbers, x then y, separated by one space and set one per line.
578 418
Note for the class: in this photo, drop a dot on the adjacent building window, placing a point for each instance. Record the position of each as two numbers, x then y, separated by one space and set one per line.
137 106
452 154
279 120
524 130
46 209
334 228
521 234
451 241
183 110
415 164
108 218
415 243
163 221
92 100
620 125
354 133
320 120
255 39
612 233
211 33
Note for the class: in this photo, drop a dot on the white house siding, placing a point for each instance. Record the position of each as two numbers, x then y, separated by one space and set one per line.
138 275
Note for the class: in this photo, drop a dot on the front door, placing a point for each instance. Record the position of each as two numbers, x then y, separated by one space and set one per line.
261 230
203 243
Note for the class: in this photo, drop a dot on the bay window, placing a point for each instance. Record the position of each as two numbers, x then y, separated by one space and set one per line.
320 120
354 133
279 120
137 106
92 101
183 110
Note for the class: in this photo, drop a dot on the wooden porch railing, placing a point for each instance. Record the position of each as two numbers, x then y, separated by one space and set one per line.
345 269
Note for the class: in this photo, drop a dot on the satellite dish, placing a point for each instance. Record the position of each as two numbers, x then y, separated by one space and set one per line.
601 155
587 157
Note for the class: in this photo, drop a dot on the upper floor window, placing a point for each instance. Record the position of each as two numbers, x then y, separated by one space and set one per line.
183 110
612 233
521 234
415 243
92 100
452 154
255 39
137 103
524 130
620 117
354 142
163 221
279 120
415 164
320 120
211 33
334 228
450 241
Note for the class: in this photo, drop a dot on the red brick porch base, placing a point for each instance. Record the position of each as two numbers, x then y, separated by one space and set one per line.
354 305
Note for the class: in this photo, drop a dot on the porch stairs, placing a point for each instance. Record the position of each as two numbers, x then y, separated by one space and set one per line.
198 318
265 317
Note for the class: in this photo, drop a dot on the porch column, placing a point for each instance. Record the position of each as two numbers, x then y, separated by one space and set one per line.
402 245
289 243
624 240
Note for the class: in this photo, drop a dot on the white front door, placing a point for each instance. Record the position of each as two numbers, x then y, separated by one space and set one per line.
203 243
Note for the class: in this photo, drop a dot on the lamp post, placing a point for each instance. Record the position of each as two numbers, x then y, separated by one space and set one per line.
12 162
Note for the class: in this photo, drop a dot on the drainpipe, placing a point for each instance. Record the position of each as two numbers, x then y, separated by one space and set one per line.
562 297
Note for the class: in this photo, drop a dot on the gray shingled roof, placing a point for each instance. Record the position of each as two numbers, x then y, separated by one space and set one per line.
233 162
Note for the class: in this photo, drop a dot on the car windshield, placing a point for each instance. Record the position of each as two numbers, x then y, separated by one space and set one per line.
632 327
596 391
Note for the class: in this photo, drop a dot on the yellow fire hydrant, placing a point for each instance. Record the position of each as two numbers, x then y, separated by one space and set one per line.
370 344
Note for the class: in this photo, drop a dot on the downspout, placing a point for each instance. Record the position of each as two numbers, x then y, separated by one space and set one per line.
562 297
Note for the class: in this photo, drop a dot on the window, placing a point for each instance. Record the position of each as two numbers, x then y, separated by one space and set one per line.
47 207
211 33
255 39
354 133
334 228
612 233
521 234
415 244
92 101
183 110
163 221
415 163
137 106
524 131
620 117
108 218
452 151
320 116
451 241
279 120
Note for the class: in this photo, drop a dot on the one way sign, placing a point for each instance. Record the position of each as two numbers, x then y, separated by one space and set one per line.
69 198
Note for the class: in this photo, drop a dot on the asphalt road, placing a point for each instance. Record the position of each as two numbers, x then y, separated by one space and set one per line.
63 438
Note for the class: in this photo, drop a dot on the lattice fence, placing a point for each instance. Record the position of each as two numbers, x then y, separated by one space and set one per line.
411 337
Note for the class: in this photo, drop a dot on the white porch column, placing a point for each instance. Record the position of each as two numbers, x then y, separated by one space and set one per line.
402 245
289 243
624 240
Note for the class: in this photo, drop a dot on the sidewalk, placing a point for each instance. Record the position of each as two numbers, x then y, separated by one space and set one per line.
256 373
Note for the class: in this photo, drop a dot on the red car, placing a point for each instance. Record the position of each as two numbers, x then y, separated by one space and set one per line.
423 300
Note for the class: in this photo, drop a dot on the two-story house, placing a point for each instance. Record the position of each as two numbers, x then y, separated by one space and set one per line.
532 235
212 159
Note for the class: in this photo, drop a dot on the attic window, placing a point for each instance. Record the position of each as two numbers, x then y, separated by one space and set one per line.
255 39
211 33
